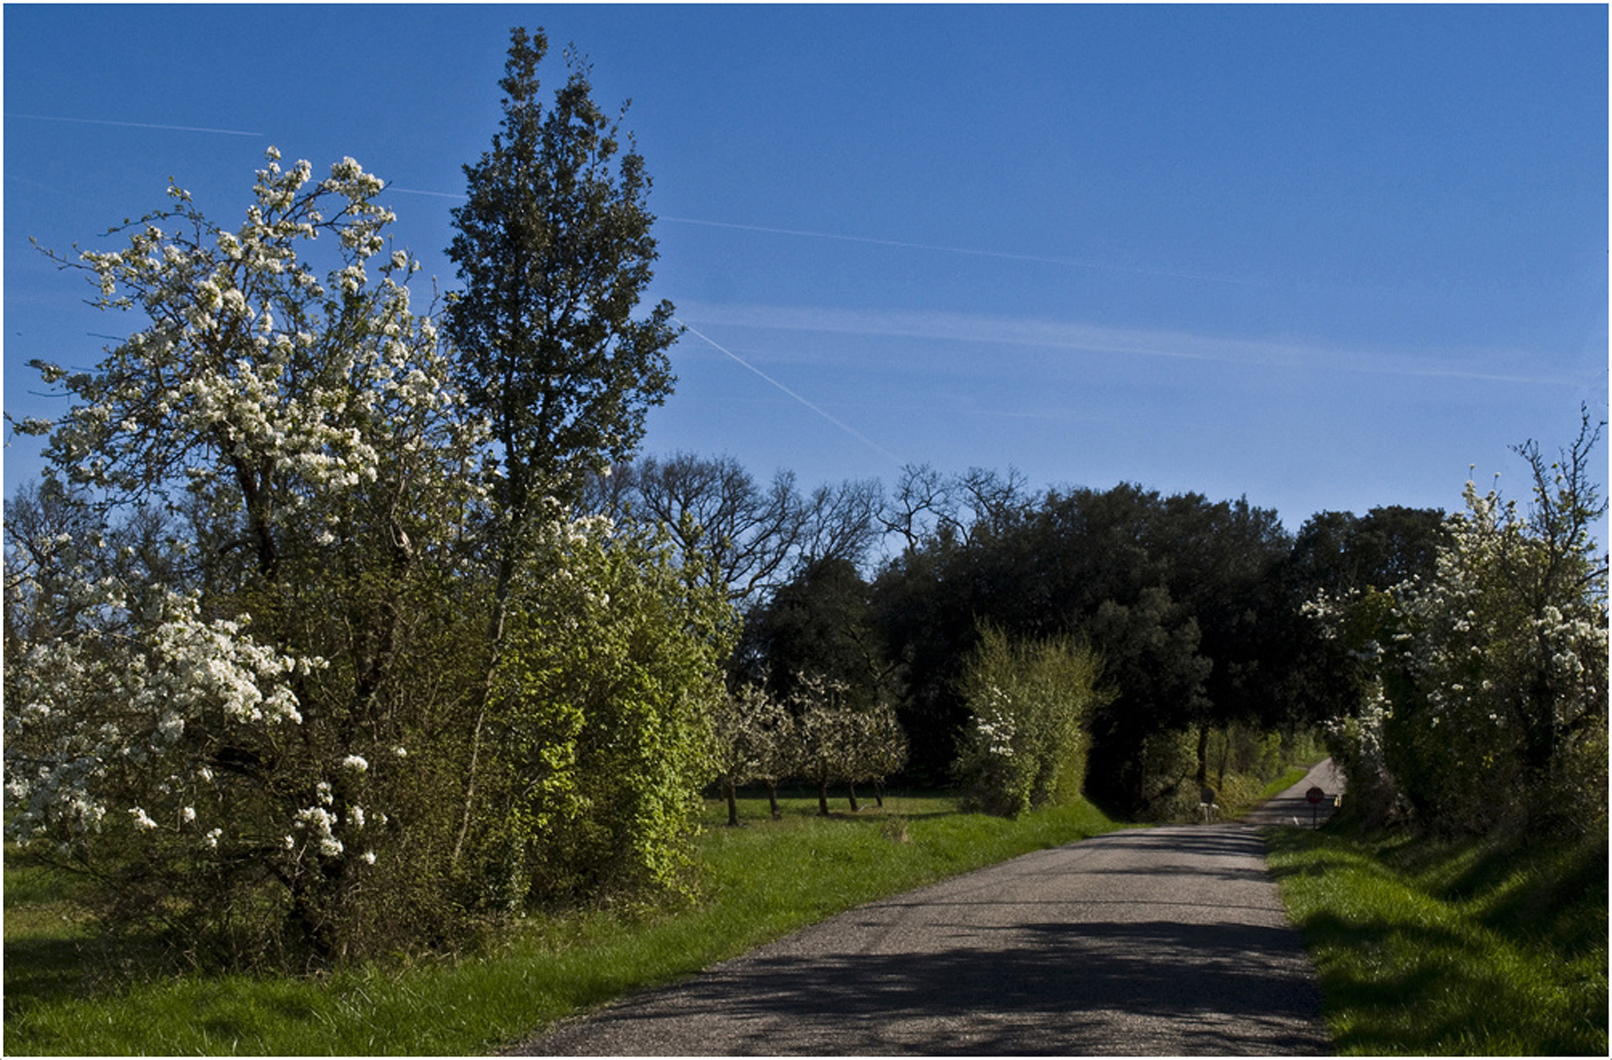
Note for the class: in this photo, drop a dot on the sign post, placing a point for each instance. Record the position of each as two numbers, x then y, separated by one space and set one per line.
1314 797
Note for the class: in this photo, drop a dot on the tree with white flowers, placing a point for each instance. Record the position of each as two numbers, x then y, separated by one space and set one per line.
753 731
1484 686
203 743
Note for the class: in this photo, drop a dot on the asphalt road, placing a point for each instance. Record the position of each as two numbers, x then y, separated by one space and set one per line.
1161 941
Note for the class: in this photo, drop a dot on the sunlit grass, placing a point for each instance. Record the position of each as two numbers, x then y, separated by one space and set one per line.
758 882
1484 947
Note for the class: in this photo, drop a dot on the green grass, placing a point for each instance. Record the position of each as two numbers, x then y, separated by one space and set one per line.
64 994
1481 947
1236 800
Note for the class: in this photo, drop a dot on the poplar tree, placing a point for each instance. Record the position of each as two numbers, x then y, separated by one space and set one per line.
554 251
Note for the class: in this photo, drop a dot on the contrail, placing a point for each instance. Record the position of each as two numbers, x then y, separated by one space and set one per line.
433 194
864 439
137 125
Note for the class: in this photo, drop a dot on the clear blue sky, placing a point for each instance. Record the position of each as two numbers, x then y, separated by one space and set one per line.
1322 257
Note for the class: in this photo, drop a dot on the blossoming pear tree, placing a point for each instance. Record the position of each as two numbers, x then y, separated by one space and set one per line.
753 731
230 739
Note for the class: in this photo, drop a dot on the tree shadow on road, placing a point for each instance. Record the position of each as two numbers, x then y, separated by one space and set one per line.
1132 987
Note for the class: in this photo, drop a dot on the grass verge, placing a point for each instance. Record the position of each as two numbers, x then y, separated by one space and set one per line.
1479 947
758 882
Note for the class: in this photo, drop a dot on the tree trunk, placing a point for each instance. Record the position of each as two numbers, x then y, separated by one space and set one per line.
731 790
850 787
495 636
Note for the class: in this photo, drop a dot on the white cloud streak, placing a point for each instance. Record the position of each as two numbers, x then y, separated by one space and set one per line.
1001 255
1134 342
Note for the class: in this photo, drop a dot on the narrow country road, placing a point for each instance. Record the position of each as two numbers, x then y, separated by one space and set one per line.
1159 941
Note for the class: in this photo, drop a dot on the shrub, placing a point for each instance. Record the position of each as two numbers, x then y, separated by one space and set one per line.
1024 745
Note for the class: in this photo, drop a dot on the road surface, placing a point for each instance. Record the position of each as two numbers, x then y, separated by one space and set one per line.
1158 941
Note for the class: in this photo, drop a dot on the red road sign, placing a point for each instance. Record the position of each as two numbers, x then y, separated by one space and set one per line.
1314 795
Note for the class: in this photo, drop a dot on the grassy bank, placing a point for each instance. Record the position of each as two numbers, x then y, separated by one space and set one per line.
1481 947
66 994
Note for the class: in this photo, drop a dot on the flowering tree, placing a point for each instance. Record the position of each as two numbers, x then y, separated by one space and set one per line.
1485 685
823 733
222 737
753 733
834 742
878 749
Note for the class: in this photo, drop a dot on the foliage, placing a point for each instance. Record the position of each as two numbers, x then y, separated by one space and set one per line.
298 570
1483 688
1185 600
817 623
1025 746
600 723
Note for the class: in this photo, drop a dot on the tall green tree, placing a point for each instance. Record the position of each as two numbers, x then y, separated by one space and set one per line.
555 252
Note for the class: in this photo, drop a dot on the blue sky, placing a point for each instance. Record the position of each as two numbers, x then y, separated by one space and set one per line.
1326 258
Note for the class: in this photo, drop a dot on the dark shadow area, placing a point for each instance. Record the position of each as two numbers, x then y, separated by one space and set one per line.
1059 989
54 970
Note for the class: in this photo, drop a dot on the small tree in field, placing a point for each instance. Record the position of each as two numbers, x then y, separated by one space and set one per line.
824 735
751 728
878 749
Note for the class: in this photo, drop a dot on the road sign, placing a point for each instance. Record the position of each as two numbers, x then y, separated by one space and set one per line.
1314 795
